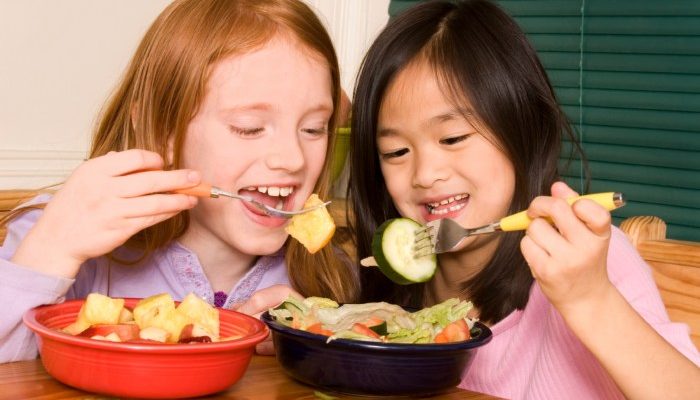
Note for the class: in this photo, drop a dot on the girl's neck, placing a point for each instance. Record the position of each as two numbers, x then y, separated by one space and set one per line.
222 265
455 269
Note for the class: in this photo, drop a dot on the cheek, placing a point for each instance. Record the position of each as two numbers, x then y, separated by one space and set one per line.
315 156
396 181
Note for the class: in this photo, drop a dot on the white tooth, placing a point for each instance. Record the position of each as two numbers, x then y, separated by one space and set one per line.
444 202
284 192
451 199
262 189
273 191
458 197
250 188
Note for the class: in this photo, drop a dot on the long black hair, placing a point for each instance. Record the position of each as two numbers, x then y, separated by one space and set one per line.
480 56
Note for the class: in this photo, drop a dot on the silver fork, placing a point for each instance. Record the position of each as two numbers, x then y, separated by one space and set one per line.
207 190
445 235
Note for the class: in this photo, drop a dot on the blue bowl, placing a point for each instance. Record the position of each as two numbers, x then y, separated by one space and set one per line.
370 368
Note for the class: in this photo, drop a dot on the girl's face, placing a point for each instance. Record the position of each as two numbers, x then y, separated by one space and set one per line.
261 131
434 161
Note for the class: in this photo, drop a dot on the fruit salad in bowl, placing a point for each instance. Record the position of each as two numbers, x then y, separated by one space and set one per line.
145 348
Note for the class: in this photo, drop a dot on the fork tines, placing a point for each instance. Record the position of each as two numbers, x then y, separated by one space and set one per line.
424 242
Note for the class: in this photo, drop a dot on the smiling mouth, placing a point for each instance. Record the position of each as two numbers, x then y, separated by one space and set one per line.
273 196
450 204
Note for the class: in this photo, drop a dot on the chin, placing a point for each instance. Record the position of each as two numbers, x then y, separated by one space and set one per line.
266 246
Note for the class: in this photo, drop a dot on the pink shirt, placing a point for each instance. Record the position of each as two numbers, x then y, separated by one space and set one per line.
534 355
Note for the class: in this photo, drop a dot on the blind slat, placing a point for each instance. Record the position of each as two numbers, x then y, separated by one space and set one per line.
618 44
641 81
635 137
639 156
645 119
661 101
641 174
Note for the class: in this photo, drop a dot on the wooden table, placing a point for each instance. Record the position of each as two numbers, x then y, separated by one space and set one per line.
264 379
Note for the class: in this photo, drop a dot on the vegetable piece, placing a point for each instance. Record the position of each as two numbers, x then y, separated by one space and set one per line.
313 229
454 332
318 329
363 330
392 247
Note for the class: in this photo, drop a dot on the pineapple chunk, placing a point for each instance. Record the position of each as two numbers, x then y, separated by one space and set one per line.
313 229
200 313
97 309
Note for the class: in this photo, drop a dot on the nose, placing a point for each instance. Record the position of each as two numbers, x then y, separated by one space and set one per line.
428 169
286 153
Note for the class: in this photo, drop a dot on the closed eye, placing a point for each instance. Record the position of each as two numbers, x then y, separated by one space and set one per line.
245 131
317 131
455 139
394 154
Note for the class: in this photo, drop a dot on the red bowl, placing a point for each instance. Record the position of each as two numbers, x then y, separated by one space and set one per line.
143 370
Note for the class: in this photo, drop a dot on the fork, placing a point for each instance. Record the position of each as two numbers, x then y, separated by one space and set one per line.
445 235
207 190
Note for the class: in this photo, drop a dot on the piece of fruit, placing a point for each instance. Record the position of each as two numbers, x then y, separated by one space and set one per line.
154 333
125 332
201 314
159 311
97 309
313 229
393 250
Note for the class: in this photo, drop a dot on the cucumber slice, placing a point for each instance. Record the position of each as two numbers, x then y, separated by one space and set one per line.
392 247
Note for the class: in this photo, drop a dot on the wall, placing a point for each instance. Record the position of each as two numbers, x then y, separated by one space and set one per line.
61 59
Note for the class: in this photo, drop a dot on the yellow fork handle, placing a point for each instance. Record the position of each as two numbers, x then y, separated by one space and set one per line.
520 221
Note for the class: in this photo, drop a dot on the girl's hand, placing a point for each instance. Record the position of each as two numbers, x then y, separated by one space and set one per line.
103 203
261 301
569 259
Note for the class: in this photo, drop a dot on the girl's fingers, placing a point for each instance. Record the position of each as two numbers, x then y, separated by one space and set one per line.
128 161
535 256
156 204
157 181
545 236
562 190
594 216
560 213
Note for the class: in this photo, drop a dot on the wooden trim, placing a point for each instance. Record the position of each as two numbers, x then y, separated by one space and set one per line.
675 265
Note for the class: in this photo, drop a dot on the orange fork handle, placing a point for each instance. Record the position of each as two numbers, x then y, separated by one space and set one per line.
201 190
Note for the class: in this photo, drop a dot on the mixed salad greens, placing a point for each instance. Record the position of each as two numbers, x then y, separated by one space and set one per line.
379 322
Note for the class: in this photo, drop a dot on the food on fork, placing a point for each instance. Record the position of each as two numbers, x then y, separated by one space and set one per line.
313 229
395 255
378 322
155 319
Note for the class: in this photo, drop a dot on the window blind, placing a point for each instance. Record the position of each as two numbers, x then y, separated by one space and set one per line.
627 74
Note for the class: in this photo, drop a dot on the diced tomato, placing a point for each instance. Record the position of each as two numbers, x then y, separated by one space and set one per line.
454 332
364 330
317 328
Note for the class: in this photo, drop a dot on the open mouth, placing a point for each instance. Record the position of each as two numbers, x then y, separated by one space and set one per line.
450 204
278 197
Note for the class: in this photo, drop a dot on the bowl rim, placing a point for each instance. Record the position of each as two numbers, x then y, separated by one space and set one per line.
483 338
30 320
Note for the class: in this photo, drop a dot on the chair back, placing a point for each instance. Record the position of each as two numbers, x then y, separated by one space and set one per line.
676 268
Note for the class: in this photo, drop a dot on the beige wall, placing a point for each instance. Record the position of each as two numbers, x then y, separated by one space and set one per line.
61 58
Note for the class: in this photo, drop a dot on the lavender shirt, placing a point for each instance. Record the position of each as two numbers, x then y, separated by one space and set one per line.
174 269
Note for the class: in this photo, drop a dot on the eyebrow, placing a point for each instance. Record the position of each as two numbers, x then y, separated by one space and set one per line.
268 107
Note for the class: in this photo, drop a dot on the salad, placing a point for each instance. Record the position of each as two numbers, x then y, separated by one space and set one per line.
380 322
